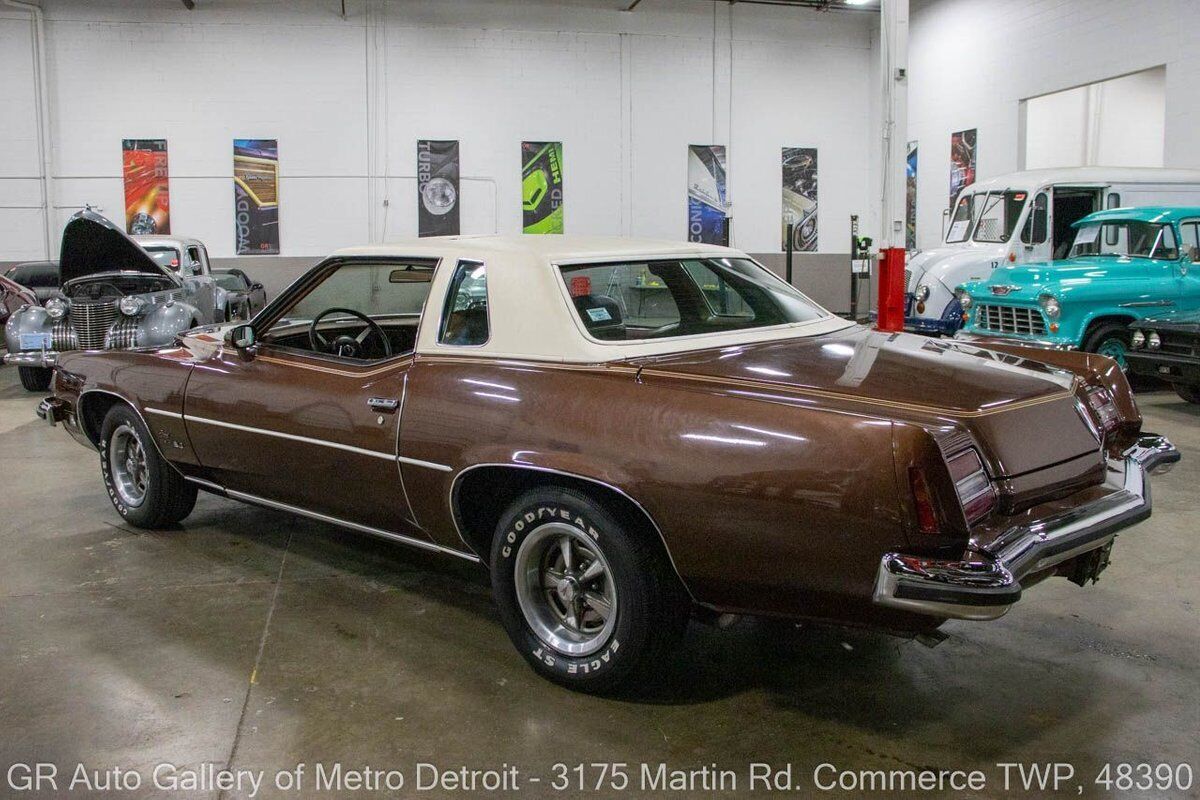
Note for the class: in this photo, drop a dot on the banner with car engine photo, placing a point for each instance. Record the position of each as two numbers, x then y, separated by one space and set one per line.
437 188
962 161
256 196
147 193
707 209
800 198
542 186
910 194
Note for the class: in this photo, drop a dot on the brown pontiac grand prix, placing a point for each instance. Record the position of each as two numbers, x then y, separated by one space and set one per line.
622 431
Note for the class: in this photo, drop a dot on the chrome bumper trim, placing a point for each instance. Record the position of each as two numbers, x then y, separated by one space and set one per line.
987 583
33 358
982 340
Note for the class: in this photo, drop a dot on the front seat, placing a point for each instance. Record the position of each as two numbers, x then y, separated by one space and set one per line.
601 316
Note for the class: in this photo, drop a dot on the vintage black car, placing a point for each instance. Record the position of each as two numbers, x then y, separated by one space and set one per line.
1167 347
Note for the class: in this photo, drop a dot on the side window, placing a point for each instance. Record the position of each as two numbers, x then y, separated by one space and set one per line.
722 300
465 316
193 257
1111 233
1035 230
1191 240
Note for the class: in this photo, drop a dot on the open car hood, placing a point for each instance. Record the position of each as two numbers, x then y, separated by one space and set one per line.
92 245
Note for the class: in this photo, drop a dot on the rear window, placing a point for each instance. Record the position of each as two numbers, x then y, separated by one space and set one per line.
669 298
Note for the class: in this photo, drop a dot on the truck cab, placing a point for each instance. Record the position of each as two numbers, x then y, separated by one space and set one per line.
1020 218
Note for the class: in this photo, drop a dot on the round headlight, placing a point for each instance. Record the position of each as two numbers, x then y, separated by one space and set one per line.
57 308
922 293
1050 305
1152 341
964 299
132 306
1137 340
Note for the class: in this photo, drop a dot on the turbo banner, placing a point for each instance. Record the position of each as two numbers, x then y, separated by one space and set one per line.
542 186
256 196
962 161
147 195
800 198
707 220
910 193
437 188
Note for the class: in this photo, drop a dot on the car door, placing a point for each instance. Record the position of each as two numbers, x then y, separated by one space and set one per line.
307 429
1188 269
198 284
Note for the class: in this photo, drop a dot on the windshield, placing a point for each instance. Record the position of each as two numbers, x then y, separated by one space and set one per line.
998 215
167 257
682 297
964 217
1126 238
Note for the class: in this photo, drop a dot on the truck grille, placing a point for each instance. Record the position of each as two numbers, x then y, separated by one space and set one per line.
91 322
1010 319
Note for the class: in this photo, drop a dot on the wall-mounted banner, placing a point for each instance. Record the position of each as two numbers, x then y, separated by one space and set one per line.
542 186
910 193
962 161
437 188
800 197
147 196
707 221
256 196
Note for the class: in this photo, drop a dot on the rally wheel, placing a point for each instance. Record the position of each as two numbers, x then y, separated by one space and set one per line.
144 489
591 603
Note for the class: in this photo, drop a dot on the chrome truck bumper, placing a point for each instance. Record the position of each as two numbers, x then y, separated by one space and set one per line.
986 585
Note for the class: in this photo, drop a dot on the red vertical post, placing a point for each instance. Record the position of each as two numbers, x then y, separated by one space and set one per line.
891 290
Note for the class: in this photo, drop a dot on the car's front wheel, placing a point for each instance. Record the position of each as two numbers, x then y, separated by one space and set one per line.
589 602
144 489
1109 339
1189 393
35 379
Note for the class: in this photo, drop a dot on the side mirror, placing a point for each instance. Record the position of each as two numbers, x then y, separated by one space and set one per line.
242 337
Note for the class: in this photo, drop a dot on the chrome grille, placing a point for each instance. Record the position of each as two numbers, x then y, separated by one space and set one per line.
62 338
91 322
1010 319
908 287
123 335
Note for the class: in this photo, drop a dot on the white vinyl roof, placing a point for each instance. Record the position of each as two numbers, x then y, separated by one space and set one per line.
530 313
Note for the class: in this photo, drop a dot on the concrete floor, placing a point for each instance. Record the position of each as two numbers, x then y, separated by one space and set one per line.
254 640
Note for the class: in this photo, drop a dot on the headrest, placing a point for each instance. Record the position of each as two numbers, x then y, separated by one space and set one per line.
602 316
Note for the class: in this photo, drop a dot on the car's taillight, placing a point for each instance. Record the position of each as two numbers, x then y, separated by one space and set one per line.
1103 409
971 482
927 521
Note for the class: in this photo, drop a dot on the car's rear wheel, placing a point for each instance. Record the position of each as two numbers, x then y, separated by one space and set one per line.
589 602
35 379
144 489
1109 339
1191 393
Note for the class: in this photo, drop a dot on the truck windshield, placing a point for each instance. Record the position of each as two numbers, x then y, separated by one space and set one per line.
998 215
1129 239
964 218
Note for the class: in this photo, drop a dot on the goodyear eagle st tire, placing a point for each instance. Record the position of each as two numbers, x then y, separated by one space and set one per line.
588 602
145 490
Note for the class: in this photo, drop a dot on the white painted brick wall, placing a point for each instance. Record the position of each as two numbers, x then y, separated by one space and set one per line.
972 61
626 93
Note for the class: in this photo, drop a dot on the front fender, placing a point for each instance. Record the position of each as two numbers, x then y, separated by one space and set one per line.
164 323
32 320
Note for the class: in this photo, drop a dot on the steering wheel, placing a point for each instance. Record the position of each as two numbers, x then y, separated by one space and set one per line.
346 345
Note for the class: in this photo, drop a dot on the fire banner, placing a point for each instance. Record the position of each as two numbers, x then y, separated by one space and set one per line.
707 220
542 187
910 203
437 188
147 194
800 198
962 161
256 196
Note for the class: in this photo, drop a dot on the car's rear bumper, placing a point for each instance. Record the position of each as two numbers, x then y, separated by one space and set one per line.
987 583
32 358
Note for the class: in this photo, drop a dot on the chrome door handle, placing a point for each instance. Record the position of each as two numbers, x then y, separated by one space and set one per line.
388 404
